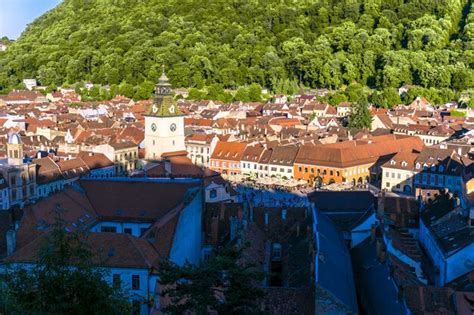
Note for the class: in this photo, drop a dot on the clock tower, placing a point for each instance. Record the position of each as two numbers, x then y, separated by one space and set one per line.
164 123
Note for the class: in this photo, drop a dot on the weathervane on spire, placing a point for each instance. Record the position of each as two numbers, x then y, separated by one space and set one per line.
163 78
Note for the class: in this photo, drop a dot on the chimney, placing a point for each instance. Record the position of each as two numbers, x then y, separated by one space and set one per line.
167 165
379 247
214 229
222 212
11 241
381 205
372 232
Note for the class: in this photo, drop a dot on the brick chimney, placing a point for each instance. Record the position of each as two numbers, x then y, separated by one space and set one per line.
167 166
214 229
373 229
381 205
11 241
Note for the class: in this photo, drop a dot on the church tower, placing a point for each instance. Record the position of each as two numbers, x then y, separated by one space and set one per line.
15 149
164 123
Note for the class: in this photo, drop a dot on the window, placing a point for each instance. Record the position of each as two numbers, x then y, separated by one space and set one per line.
111 229
283 214
116 280
276 252
299 168
387 174
331 172
399 176
213 193
387 184
135 282
127 230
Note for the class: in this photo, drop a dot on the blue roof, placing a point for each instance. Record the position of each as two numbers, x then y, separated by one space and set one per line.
334 269
374 284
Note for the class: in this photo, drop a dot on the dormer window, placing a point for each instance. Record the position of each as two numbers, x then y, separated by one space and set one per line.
441 168
392 162
418 166
404 164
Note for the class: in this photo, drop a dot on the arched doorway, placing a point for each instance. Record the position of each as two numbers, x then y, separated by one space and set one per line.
359 181
332 181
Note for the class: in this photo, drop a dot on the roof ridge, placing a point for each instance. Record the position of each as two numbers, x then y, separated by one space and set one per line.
132 240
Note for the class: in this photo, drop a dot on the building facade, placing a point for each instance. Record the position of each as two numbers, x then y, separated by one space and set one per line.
164 124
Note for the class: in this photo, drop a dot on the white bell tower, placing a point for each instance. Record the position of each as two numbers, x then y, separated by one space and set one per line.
164 123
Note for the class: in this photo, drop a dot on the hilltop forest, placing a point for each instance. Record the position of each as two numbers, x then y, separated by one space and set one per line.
381 44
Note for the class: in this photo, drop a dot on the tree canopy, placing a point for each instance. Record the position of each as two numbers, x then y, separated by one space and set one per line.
277 44
63 281
360 116
224 284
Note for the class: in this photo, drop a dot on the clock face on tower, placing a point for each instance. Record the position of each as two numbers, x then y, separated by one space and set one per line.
173 127
153 127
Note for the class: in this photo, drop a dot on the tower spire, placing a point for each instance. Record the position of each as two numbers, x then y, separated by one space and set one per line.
163 79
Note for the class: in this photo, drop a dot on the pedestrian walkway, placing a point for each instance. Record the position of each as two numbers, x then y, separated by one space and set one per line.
272 198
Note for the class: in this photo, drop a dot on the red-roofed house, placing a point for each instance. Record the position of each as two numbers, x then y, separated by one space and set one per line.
226 157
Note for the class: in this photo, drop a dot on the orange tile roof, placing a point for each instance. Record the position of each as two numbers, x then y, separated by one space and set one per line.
351 154
231 151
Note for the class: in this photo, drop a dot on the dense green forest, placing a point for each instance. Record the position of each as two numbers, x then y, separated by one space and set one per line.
381 44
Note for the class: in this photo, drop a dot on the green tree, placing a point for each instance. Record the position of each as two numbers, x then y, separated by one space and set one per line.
63 281
337 98
222 284
360 116
196 94
242 95
255 92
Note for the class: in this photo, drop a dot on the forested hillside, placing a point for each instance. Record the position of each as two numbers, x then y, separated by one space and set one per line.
317 43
